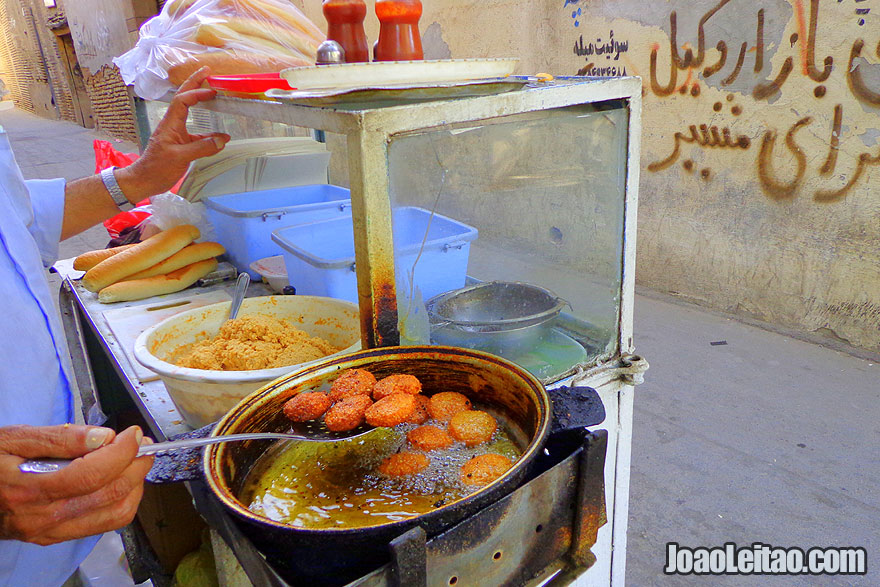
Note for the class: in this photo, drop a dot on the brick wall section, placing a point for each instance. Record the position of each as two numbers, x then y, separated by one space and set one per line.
24 34
17 62
7 67
111 102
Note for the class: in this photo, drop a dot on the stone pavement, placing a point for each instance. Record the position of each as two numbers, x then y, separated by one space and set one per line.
763 439
47 149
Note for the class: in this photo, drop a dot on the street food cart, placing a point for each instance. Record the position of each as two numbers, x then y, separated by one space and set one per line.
546 175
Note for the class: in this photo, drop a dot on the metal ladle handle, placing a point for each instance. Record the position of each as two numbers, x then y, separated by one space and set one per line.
158 447
52 465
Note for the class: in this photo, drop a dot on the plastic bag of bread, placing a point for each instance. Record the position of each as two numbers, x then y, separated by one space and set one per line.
233 37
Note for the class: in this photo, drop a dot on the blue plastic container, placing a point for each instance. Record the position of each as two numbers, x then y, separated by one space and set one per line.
244 221
320 255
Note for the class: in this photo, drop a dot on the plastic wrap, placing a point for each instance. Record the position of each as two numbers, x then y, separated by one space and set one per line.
169 210
230 36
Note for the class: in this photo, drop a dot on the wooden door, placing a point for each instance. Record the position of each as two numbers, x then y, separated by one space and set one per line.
82 104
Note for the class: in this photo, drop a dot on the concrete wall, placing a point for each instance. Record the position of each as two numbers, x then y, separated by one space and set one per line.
761 161
780 221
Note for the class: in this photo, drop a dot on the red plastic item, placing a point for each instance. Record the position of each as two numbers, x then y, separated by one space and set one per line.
125 220
254 83
399 38
107 156
345 25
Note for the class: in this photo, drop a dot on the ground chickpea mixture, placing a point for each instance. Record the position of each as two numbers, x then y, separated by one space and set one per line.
253 342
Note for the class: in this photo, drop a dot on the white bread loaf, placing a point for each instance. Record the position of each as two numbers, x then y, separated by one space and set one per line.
223 36
138 289
139 257
232 62
185 256
293 41
178 7
88 260
276 12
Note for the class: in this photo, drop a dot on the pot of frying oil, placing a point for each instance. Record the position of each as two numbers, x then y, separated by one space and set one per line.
323 512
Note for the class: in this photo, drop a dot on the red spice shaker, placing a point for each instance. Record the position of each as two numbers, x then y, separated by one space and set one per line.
345 25
399 38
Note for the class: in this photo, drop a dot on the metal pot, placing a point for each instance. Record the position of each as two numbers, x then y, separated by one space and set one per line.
501 317
345 554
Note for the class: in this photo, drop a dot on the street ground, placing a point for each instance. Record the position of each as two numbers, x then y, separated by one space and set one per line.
757 438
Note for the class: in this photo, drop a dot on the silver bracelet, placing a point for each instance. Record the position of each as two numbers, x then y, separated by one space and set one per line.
109 178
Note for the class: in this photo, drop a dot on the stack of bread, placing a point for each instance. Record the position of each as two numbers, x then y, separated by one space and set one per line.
241 36
165 263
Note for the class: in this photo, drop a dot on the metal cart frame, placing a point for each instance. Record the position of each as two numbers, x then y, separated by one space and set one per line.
369 133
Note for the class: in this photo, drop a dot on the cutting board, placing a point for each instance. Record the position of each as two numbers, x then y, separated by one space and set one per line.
128 323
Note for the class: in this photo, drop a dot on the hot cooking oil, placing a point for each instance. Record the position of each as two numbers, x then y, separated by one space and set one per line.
337 484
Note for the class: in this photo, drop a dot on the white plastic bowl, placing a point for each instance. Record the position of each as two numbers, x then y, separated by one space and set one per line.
203 396
273 271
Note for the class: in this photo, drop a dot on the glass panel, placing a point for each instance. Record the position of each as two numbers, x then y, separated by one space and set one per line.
238 127
534 201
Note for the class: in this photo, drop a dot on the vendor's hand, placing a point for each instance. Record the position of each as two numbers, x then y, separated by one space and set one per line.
171 148
98 492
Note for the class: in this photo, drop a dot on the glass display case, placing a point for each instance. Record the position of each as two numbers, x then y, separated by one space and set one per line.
540 283
495 222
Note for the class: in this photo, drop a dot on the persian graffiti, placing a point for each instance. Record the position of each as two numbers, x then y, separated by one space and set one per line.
611 50
689 66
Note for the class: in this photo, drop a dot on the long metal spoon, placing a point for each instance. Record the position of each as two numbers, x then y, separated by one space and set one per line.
309 431
241 285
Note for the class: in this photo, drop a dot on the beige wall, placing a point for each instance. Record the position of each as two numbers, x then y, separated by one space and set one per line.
780 221
102 30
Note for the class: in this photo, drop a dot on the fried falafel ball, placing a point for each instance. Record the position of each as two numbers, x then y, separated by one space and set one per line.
443 406
472 427
483 469
391 410
420 416
352 382
404 463
347 413
400 383
428 438
310 405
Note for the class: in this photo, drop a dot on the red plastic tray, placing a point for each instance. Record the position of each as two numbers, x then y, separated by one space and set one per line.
252 83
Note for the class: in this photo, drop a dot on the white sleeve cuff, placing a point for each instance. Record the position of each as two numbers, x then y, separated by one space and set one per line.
47 201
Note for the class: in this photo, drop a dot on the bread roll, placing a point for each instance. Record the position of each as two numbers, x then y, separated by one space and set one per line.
220 35
88 260
275 11
139 257
232 62
257 29
185 256
176 7
138 289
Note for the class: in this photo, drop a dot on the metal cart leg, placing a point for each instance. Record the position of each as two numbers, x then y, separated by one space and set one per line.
591 512
409 559
82 372
142 560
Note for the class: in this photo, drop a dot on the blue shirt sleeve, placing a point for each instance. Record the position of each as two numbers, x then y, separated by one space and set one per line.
47 201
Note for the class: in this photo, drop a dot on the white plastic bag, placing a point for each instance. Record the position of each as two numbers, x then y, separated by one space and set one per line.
232 37
171 210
